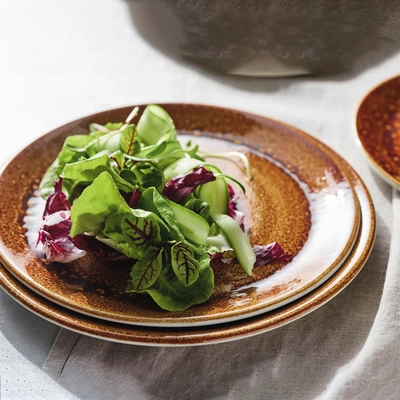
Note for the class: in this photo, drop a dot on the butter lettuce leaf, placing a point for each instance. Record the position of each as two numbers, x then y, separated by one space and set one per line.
86 171
97 201
74 149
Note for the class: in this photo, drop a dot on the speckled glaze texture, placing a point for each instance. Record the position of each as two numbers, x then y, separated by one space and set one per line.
299 187
378 129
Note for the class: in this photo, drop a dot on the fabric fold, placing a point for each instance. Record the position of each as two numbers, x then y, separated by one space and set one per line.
59 353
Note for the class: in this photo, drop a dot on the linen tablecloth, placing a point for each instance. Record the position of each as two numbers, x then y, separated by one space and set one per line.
62 60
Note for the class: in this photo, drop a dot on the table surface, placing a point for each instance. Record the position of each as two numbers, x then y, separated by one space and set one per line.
62 60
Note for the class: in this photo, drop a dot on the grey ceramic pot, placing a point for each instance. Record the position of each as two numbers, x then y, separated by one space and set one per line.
274 37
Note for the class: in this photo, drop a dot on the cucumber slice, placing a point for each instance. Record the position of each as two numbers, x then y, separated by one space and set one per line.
238 240
194 227
216 194
154 124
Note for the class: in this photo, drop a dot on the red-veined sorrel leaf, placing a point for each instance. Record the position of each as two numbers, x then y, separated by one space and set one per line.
129 140
184 264
145 272
141 229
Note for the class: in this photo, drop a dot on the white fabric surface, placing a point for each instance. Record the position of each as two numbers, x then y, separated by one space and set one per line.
60 60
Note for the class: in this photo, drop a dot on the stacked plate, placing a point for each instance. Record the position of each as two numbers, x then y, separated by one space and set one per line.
302 195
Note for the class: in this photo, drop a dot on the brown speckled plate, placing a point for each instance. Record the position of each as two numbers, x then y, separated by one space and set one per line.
301 196
203 335
377 125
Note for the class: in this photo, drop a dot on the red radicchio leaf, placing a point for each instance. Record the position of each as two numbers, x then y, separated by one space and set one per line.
58 229
57 201
59 246
272 252
54 235
232 202
181 186
232 207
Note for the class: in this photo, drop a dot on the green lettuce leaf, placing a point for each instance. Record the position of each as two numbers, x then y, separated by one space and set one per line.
86 171
74 149
97 201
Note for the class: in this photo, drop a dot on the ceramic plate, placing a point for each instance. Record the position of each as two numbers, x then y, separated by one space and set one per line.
378 129
300 196
202 335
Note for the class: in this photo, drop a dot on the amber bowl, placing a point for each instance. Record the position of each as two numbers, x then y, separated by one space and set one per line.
378 129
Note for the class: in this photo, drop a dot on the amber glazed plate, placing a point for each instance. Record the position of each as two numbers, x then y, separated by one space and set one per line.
203 335
377 125
302 196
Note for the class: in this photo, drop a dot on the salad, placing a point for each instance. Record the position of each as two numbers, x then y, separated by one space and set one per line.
134 191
